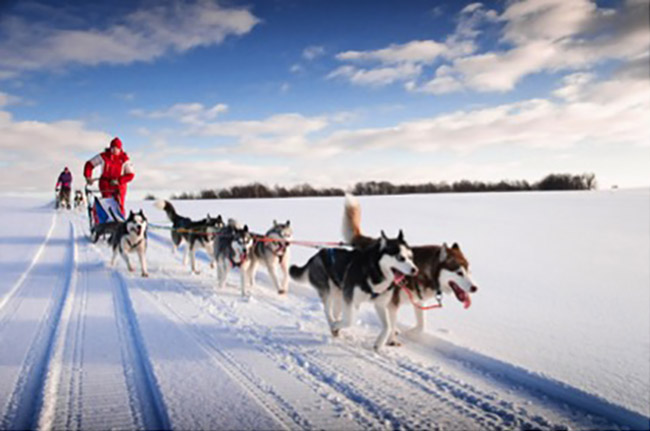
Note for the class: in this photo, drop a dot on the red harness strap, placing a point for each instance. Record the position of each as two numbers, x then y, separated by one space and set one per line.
399 282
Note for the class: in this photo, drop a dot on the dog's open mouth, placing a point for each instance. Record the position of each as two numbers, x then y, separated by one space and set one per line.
461 295
398 276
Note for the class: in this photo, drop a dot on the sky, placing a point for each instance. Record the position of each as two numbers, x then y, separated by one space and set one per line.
209 94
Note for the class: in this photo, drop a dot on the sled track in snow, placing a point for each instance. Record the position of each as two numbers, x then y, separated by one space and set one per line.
146 399
274 403
6 314
24 407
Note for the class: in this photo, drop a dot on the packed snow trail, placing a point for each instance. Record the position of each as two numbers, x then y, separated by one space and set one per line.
87 346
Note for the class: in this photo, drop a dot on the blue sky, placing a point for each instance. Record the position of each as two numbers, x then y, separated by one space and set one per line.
207 94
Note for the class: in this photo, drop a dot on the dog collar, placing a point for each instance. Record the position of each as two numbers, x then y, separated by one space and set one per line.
133 245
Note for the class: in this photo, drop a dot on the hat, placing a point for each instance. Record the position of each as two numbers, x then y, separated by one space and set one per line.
116 143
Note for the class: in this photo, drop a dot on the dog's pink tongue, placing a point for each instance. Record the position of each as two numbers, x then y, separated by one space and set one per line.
467 302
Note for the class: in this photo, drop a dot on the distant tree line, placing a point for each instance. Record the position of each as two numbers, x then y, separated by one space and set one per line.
258 190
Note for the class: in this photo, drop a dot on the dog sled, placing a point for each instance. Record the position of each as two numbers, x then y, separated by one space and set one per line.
103 213
62 198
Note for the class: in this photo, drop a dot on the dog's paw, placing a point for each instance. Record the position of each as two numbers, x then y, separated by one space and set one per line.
394 343
282 292
145 274
377 348
131 269
336 331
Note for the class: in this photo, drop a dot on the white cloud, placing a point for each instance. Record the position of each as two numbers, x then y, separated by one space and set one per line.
611 112
377 76
417 51
536 36
313 52
7 99
296 68
34 152
188 113
142 35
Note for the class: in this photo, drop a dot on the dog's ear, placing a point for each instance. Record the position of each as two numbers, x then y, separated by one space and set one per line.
246 228
400 236
382 240
275 223
219 219
443 252
455 246
208 216
288 223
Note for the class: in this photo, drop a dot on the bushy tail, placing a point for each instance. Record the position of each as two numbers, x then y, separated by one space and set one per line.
168 208
351 219
298 273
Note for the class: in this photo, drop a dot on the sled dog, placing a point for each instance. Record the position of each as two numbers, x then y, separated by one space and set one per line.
104 230
441 269
62 198
232 249
79 201
131 237
273 253
194 233
349 277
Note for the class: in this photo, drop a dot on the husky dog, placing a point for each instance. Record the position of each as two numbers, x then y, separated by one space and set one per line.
441 269
272 253
350 277
233 248
129 237
62 198
78 199
194 233
104 230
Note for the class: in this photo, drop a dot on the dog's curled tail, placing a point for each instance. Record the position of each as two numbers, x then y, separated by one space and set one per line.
351 218
298 272
168 208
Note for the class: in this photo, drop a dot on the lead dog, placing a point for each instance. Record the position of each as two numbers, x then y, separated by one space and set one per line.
350 277
232 249
194 233
130 236
441 269
273 253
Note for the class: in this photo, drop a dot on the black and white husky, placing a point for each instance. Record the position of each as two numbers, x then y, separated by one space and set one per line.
441 270
350 277
232 249
131 237
197 234
273 250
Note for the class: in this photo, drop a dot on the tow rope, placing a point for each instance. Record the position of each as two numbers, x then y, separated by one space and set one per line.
259 238
399 282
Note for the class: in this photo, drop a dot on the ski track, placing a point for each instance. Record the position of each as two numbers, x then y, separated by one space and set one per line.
39 302
106 349
115 370
11 293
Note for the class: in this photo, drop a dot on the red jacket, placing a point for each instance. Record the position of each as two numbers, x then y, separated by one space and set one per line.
114 167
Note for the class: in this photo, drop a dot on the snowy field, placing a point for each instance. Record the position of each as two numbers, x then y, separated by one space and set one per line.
557 337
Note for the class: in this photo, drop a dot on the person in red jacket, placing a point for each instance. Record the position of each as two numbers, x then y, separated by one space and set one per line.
116 171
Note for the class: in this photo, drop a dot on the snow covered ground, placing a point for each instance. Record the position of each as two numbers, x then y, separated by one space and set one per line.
558 335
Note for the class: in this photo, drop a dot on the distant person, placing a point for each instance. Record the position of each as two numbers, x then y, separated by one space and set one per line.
63 187
117 171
